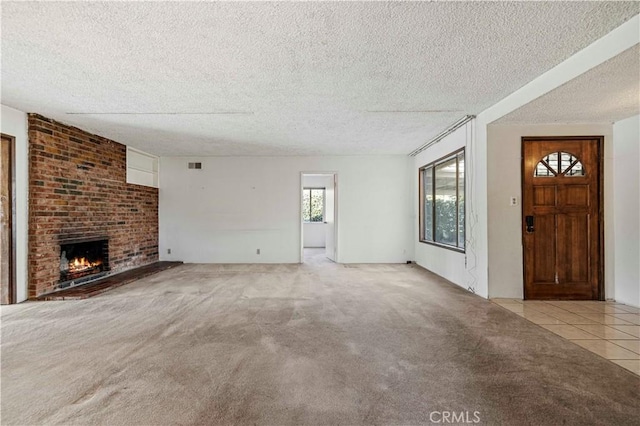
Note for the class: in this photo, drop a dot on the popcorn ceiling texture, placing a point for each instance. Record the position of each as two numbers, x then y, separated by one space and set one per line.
78 190
310 78
608 93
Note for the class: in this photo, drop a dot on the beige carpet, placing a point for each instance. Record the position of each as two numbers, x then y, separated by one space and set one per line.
316 344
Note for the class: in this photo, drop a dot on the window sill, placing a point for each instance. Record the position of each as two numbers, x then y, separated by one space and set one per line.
444 246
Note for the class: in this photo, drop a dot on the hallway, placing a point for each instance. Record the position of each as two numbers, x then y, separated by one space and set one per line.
315 256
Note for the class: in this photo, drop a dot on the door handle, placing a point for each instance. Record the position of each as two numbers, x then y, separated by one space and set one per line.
529 223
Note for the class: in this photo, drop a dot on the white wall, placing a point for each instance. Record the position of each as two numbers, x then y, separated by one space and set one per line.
626 210
14 123
314 233
504 181
235 205
455 266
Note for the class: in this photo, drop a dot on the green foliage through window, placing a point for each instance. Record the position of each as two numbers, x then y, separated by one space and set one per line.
442 201
313 204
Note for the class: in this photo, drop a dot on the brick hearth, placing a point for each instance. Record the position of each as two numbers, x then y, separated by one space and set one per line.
78 189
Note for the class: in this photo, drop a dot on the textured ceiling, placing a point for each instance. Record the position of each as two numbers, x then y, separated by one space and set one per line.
610 92
231 78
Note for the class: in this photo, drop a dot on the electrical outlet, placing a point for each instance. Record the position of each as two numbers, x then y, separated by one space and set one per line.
257 251
168 251
513 201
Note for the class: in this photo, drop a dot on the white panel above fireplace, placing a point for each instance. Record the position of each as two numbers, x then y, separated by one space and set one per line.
142 168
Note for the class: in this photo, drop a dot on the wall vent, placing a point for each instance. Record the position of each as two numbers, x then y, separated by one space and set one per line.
195 166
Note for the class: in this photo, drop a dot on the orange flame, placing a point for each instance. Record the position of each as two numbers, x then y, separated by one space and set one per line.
81 264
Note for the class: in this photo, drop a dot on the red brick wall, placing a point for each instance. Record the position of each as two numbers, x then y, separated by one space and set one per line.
78 189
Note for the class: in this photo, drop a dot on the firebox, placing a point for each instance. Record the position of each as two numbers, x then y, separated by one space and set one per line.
83 261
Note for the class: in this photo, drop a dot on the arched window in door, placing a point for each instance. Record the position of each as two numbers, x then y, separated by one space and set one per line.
559 163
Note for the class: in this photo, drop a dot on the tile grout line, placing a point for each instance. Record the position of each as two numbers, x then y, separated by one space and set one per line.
614 343
597 338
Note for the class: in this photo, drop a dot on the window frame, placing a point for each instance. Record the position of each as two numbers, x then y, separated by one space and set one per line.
421 196
559 172
324 198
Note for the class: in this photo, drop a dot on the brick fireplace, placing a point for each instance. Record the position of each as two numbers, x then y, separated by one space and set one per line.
78 195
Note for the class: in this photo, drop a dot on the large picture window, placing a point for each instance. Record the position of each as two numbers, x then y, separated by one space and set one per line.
442 202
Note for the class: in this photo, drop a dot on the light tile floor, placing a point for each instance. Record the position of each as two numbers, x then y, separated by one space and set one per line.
609 329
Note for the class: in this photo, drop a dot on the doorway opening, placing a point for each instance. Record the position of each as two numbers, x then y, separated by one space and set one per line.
7 221
318 217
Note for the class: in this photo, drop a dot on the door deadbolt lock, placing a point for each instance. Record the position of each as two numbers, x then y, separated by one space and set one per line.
529 223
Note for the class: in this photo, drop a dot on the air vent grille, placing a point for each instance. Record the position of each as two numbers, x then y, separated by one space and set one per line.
197 166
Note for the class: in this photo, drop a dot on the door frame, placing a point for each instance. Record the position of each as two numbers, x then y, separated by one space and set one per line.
335 210
12 287
600 150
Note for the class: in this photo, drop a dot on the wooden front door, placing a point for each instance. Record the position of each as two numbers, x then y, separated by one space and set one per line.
7 283
561 193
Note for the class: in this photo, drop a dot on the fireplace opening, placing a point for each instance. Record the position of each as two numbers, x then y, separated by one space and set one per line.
83 261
